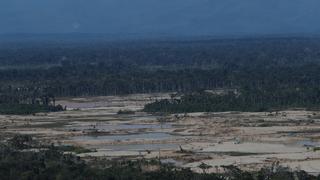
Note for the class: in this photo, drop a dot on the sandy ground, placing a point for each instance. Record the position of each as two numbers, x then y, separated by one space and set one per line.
244 139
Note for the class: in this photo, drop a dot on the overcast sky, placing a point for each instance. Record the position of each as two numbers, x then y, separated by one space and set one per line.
187 17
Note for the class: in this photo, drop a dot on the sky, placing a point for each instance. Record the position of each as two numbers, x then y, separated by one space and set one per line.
172 17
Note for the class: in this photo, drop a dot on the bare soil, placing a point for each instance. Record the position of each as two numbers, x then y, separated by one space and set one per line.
248 140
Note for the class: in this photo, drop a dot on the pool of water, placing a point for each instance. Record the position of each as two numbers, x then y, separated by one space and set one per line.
171 161
111 127
309 143
155 136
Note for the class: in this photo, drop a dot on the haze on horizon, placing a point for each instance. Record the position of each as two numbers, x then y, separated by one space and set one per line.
172 17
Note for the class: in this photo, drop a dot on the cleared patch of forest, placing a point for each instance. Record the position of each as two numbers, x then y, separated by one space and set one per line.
23 158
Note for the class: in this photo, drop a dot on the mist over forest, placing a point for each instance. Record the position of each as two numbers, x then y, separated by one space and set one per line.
155 18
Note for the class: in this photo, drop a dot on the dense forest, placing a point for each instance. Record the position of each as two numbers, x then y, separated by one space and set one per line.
18 160
280 72
246 100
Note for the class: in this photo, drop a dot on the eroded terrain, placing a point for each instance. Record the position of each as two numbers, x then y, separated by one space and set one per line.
247 140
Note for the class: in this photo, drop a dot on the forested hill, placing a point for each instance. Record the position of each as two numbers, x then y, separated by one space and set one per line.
215 53
101 68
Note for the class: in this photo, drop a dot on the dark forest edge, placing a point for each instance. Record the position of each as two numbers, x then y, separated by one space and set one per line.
247 100
20 160
27 109
20 103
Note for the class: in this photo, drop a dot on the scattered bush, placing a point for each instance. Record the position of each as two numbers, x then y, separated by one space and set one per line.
125 112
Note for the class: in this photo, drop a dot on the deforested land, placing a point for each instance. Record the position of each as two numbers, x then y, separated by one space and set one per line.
242 108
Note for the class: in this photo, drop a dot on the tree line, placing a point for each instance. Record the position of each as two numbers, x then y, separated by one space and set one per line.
26 101
248 100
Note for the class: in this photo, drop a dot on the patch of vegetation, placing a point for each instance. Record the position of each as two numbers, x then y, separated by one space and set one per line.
316 149
22 102
22 142
24 109
236 153
45 125
247 99
125 112
75 149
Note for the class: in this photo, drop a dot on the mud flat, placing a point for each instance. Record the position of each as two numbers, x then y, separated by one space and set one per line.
248 140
